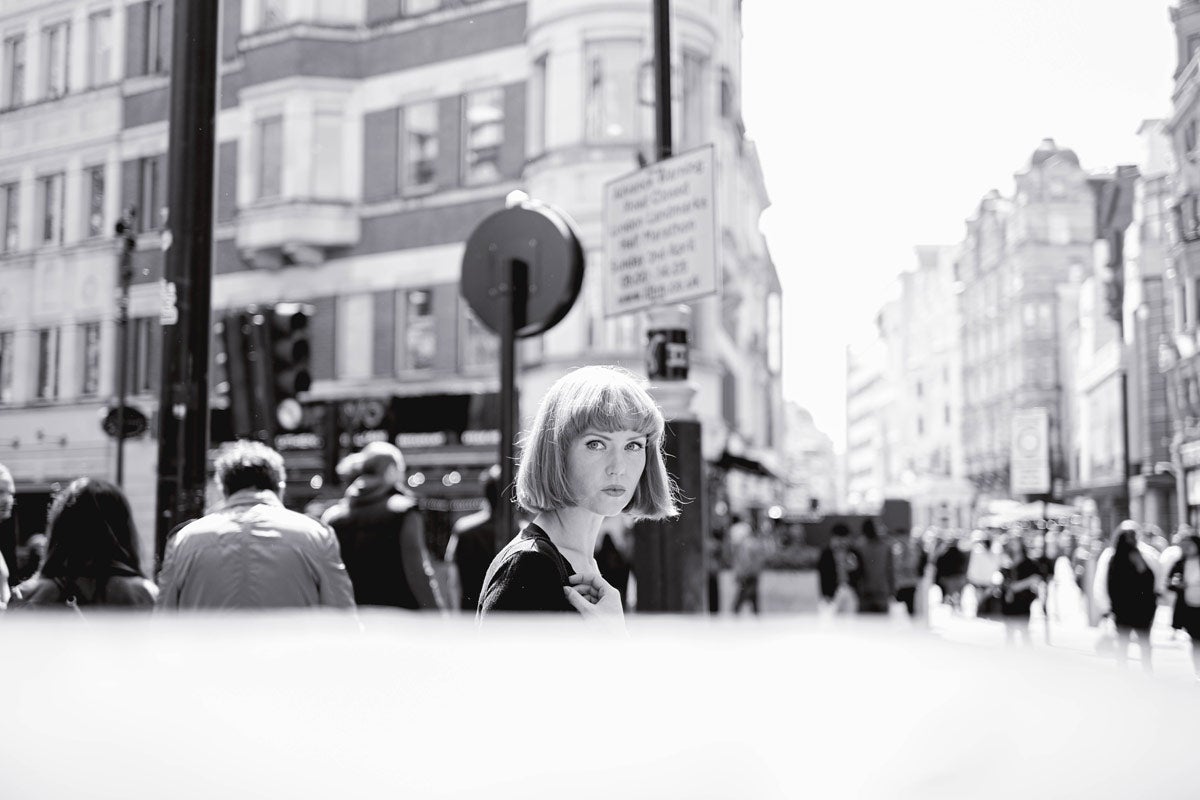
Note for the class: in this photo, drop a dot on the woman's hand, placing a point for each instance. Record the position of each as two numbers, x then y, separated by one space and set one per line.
596 600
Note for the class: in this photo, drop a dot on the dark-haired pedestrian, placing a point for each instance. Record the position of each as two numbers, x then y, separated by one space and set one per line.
91 552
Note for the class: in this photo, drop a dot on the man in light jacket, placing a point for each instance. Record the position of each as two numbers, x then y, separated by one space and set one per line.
251 552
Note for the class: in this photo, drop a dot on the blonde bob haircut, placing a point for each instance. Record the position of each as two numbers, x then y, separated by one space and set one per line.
603 399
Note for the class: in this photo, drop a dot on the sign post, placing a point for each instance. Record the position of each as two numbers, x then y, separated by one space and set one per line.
522 271
1030 454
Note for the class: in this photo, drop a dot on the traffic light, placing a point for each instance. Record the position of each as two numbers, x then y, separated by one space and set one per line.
287 329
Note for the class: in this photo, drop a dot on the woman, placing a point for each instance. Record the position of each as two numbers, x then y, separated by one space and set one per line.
1131 592
91 553
1020 578
1184 580
594 451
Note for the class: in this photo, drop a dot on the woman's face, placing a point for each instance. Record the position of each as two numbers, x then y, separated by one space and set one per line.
604 469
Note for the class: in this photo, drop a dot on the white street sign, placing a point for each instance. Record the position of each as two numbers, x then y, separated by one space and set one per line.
660 233
1029 465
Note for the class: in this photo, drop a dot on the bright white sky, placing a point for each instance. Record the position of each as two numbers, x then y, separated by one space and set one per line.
880 124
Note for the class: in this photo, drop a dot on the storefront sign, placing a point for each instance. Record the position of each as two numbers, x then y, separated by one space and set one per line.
1030 455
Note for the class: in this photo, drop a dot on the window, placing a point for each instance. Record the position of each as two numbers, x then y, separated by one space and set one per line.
270 157
143 356
14 70
1189 137
411 8
1193 44
148 199
420 342
612 91
483 135
55 60
50 201
94 186
727 97
89 379
480 347
100 48
693 132
7 357
327 155
155 38
418 146
10 213
920 426
47 363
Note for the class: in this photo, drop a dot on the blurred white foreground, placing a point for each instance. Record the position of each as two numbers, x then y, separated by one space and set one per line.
316 706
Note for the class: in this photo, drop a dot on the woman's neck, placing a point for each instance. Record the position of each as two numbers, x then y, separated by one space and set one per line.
572 530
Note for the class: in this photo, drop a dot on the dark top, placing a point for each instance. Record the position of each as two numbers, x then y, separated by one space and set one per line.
368 532
1018 603
474 551
951 563
1132 594
118 590
832 574
527 575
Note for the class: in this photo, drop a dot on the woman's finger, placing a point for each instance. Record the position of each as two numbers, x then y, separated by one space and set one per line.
581 603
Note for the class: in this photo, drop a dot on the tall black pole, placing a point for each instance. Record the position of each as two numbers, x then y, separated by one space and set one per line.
187 288
662 78
127 244
513 291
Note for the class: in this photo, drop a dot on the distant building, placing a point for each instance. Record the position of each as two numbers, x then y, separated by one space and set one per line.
1017 254
809 464
868 393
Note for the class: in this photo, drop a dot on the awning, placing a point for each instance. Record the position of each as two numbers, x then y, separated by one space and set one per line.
729 461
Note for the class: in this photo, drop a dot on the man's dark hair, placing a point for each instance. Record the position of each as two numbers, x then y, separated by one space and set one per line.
840 530
868 529
249 465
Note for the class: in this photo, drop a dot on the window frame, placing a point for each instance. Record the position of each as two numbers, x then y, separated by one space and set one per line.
52 90
406 187
467 319
14 78
90 359
593 124
148 194
47 383
8 344
464 156
10 216
100 74
91 231
404 332
260 178
44 183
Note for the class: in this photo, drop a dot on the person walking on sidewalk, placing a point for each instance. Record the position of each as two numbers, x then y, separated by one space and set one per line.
877 578
838 569
983 566
472 543
1020 579
1131 585
1184 581
91 553
381 533
7 497
251 552
748 562
594 451
908 556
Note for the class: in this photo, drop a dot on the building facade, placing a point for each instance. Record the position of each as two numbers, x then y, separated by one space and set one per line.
359 143
1017 254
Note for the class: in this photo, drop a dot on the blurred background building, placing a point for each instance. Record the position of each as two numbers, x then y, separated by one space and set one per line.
360 142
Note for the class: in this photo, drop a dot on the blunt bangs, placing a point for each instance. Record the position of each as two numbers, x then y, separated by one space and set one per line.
603 399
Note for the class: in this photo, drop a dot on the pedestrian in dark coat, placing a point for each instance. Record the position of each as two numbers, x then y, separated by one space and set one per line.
1131 591
381 533
877 581
1184 581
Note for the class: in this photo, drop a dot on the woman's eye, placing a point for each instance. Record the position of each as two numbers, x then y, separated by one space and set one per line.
635 446
595 444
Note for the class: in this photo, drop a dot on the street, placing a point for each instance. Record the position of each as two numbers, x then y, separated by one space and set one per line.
1067 634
